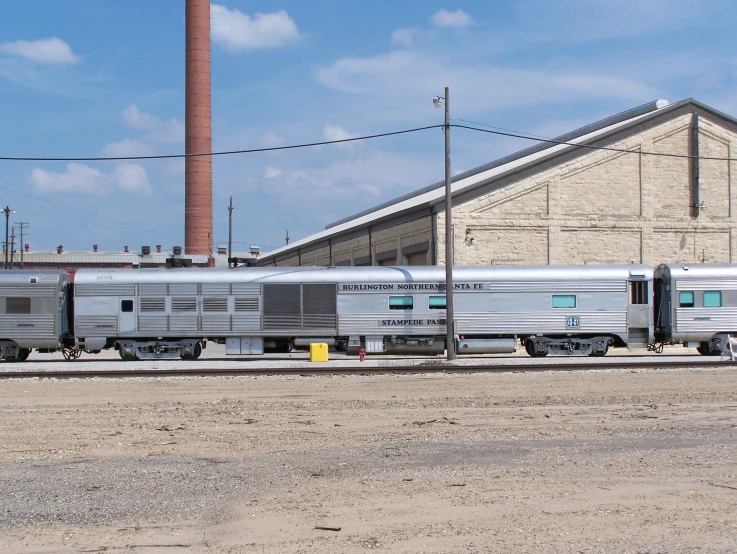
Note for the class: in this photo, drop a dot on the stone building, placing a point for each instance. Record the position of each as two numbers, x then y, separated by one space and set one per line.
571 203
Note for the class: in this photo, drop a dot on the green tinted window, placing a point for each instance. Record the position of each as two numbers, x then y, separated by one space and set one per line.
400 302
712 299
437 302
564 301
686 299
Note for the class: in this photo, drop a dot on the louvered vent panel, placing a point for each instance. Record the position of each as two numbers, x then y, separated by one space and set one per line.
318 321
246 304
183 304
105 289
282 307
29 291
152 305
215 288
319 306
152 289
246 288
215 304
183 289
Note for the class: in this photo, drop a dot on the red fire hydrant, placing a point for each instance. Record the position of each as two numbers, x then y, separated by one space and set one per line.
362 354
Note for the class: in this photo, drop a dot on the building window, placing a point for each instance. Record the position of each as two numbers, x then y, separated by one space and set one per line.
126 305
712 299
401 302
437 302
18 306
686 299
564 301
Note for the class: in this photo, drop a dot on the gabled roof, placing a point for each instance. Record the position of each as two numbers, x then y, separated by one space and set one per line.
505 171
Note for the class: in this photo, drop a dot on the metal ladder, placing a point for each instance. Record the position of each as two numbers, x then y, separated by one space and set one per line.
731 348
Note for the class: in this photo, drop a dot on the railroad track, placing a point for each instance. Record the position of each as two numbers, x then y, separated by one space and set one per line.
215 367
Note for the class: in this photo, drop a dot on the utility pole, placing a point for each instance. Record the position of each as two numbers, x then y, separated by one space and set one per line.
22 225
287 236
230 229
12 247
7 211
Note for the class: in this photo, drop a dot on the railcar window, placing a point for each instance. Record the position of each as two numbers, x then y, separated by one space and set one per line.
401 302
638 292
17 305
437 303
712 299
126 305
564 301
686 299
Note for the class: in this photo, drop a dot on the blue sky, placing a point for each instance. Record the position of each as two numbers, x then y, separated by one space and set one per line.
85 78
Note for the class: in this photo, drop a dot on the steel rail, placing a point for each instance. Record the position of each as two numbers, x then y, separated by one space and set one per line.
422 367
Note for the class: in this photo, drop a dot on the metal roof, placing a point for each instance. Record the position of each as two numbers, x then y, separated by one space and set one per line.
103 258
354 274
504 171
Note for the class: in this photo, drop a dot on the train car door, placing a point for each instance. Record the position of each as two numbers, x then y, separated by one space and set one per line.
127 320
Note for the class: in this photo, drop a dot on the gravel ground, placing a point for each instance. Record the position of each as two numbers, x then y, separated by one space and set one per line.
602 461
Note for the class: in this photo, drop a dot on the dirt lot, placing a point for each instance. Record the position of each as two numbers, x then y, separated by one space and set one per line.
602 461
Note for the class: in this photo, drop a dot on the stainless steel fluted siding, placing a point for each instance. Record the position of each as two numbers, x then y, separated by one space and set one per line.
608 322
706 284
698 320
42 327
97 325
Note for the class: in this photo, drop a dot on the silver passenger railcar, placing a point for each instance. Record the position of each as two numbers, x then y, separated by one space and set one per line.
696 305
34 312
174 312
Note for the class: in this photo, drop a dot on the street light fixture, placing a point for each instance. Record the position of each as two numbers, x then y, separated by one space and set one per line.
449 320
7 211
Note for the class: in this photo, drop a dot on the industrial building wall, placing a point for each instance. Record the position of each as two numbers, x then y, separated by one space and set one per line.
407 243
610 207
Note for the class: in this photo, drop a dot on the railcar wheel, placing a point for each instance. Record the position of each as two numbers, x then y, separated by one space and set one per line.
195 354
23 354
702 349
125 358
530 348
600 354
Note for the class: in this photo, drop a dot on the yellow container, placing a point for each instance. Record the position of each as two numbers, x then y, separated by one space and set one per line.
318 352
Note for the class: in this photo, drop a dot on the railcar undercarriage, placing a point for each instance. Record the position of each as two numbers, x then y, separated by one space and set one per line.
538 346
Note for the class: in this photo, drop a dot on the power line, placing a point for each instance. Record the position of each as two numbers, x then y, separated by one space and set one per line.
592 147
223 153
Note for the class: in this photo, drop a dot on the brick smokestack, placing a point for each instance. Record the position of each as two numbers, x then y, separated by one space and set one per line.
198 133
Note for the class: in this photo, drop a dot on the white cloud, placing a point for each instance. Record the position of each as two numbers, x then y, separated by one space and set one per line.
46 50
77 178
238 31
407 79
404 37
272 172
271 139
335 132
127 147
131 178
458 18
83 179
157 130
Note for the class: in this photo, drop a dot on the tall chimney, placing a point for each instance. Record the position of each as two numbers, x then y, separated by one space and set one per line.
198 131
94 248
